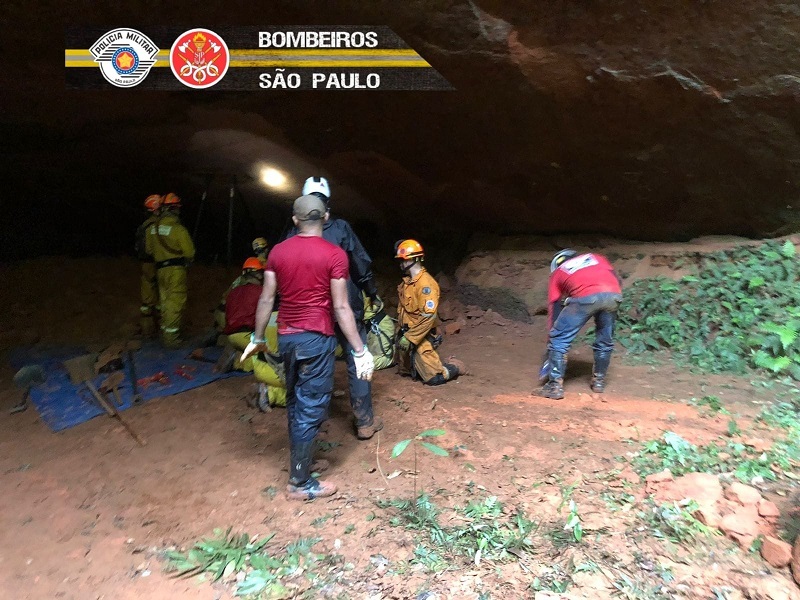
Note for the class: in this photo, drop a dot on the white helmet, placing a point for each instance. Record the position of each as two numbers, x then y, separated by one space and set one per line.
317 185
560 257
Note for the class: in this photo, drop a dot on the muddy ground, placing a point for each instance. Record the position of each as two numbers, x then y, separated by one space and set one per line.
86 513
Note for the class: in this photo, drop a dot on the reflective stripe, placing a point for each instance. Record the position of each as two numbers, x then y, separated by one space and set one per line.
170 329
146 310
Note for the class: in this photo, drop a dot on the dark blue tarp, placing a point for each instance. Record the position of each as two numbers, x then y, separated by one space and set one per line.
63 404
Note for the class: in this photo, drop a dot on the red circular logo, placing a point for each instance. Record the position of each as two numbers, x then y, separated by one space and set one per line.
199 58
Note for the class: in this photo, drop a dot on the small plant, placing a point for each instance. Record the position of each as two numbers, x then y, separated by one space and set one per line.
573 523
485 533
418 439
675 521
712 403
265 572
680 456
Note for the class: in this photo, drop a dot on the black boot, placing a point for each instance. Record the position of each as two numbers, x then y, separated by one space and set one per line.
554 388
301 485
601 362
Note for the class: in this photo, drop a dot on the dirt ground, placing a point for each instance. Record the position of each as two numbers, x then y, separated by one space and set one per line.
85 513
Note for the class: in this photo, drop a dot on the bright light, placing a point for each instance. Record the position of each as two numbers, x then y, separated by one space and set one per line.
272 177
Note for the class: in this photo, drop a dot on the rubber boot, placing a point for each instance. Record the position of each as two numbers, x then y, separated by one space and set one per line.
301 485
601 362
554 388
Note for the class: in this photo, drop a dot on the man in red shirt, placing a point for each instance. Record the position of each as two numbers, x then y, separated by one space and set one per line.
581 287
310 274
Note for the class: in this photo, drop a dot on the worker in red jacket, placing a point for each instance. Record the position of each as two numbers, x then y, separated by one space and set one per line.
581 286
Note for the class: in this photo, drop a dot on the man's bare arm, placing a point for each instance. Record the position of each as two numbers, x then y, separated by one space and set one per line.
265 303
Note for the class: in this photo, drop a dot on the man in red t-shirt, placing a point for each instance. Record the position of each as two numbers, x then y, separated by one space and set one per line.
310 275
581 287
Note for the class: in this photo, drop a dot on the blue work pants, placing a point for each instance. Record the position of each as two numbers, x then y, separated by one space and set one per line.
570 319
309 361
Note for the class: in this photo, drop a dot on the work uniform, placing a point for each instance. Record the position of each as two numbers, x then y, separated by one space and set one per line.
339 233
246 278
416 315
169 243
148 284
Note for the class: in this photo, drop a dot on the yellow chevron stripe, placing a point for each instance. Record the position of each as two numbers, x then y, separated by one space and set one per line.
282 58
82 52
329 63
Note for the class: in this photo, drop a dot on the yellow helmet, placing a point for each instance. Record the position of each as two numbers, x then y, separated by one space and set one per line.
260 245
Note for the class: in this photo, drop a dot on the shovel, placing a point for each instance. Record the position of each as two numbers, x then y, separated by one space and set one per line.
81 370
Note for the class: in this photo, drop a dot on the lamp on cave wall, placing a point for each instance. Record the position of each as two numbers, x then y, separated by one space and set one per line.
273 178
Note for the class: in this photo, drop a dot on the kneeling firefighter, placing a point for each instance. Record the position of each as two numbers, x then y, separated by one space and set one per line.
417 339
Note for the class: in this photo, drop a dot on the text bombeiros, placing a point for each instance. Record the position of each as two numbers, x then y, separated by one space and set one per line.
317 39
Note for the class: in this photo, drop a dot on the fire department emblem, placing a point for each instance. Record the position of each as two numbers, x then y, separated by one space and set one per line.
199 58
125 56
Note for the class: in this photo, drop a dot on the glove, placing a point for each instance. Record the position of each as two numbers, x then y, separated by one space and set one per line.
365 364
254 347
404 344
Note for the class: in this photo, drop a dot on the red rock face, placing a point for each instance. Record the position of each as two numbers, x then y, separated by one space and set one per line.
664 121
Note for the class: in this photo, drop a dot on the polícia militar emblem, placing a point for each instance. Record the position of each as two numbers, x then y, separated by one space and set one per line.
199 58
125 56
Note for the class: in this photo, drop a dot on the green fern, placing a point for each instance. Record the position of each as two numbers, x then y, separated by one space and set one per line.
786 333
775 364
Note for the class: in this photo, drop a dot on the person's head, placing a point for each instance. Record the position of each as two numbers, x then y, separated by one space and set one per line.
171 203
253 267
309 213
560 257
409 253
260 246
319 187
152 203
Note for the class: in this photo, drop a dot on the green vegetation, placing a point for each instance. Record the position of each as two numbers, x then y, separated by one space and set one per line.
675 521
484 532
680 456
270 574
705 320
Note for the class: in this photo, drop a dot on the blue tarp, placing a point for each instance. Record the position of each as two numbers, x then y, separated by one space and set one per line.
63 404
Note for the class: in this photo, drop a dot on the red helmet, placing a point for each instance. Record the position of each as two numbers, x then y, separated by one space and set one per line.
252 263
171 200
153 202
408 249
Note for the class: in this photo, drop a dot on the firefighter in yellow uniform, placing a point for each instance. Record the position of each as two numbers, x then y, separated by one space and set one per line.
149 285
169 243
417 341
